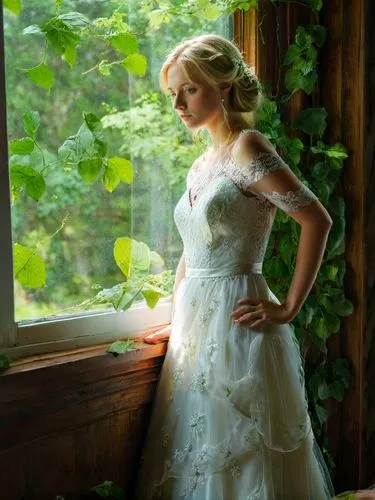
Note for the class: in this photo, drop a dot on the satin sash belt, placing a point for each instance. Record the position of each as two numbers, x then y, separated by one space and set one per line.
217 272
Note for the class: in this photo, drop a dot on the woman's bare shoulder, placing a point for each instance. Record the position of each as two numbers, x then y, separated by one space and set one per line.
250 144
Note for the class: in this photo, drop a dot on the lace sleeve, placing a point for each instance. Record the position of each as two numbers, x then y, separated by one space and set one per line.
268 176
292 200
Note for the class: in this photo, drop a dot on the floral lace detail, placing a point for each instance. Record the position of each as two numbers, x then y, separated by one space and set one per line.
190 346
292 200
205 314
211 347
177 374
197 422
199 382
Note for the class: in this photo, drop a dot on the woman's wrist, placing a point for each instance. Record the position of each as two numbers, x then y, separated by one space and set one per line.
291 310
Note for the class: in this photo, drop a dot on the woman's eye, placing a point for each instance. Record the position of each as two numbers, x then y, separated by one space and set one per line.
190 90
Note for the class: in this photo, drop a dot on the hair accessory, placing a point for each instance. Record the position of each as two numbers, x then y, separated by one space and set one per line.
249 74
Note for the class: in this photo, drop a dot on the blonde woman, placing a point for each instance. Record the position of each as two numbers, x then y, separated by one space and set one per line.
230 420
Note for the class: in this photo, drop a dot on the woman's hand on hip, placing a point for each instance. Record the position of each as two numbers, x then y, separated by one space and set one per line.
258 312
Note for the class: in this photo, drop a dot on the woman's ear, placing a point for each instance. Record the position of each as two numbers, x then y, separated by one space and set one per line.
225 87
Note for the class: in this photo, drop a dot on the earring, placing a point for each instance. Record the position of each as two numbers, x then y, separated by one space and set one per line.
222 99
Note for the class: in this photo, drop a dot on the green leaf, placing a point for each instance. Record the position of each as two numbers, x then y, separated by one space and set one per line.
346 495
23 175
337 151
323 391
320 170
332 321
344 308
123 167
125 42
110 178
319 328
20 174
89 170
74 19
32 29
121 346
337 390
326 302
42 76
303 40
4 362
109 490
292 54
321 413
286 248
132 256
31 123
152 297
312 121
211 12
135 63
337 205
95 126
276 268
62 38
295 80
29 267
123 253
341 370
24 146
319 34
336 237
35 186
14 6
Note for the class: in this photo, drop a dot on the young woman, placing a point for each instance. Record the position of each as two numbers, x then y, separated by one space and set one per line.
230 420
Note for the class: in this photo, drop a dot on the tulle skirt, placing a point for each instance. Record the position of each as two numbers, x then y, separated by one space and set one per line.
229 419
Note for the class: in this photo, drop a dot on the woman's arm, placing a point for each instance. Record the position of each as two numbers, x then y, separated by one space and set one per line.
268 177
315 226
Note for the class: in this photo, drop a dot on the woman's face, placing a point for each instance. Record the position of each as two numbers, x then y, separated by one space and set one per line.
196 103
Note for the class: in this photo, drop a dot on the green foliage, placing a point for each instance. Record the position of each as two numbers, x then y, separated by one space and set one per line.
140 266
110 490
29 267
4 362
121 346
13 5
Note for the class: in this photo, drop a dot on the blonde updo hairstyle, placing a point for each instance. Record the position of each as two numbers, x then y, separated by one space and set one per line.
213 60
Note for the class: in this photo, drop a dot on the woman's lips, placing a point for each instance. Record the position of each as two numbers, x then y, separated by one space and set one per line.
185 116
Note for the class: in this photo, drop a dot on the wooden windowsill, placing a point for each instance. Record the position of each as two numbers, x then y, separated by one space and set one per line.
38 362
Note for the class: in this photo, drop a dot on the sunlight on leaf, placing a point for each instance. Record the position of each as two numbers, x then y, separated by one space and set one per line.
29 267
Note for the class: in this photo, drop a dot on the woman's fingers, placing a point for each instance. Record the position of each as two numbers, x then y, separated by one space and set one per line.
240 311
251 318
159 336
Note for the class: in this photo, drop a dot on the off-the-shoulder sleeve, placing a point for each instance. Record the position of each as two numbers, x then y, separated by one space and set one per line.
268 176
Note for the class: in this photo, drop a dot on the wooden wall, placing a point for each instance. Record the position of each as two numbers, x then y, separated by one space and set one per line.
75 420
369 164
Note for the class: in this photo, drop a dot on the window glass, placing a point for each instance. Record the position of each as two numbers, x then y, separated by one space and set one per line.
77 121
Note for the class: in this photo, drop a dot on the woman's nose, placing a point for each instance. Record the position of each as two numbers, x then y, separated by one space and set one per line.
179 102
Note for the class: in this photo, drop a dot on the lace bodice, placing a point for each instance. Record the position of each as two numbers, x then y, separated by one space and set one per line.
223 217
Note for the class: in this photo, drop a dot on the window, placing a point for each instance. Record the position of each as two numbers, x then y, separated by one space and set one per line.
60 217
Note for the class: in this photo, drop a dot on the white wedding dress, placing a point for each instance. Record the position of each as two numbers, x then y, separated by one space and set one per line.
229 419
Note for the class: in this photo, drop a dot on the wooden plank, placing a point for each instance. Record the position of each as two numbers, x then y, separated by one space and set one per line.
330 76
351 466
